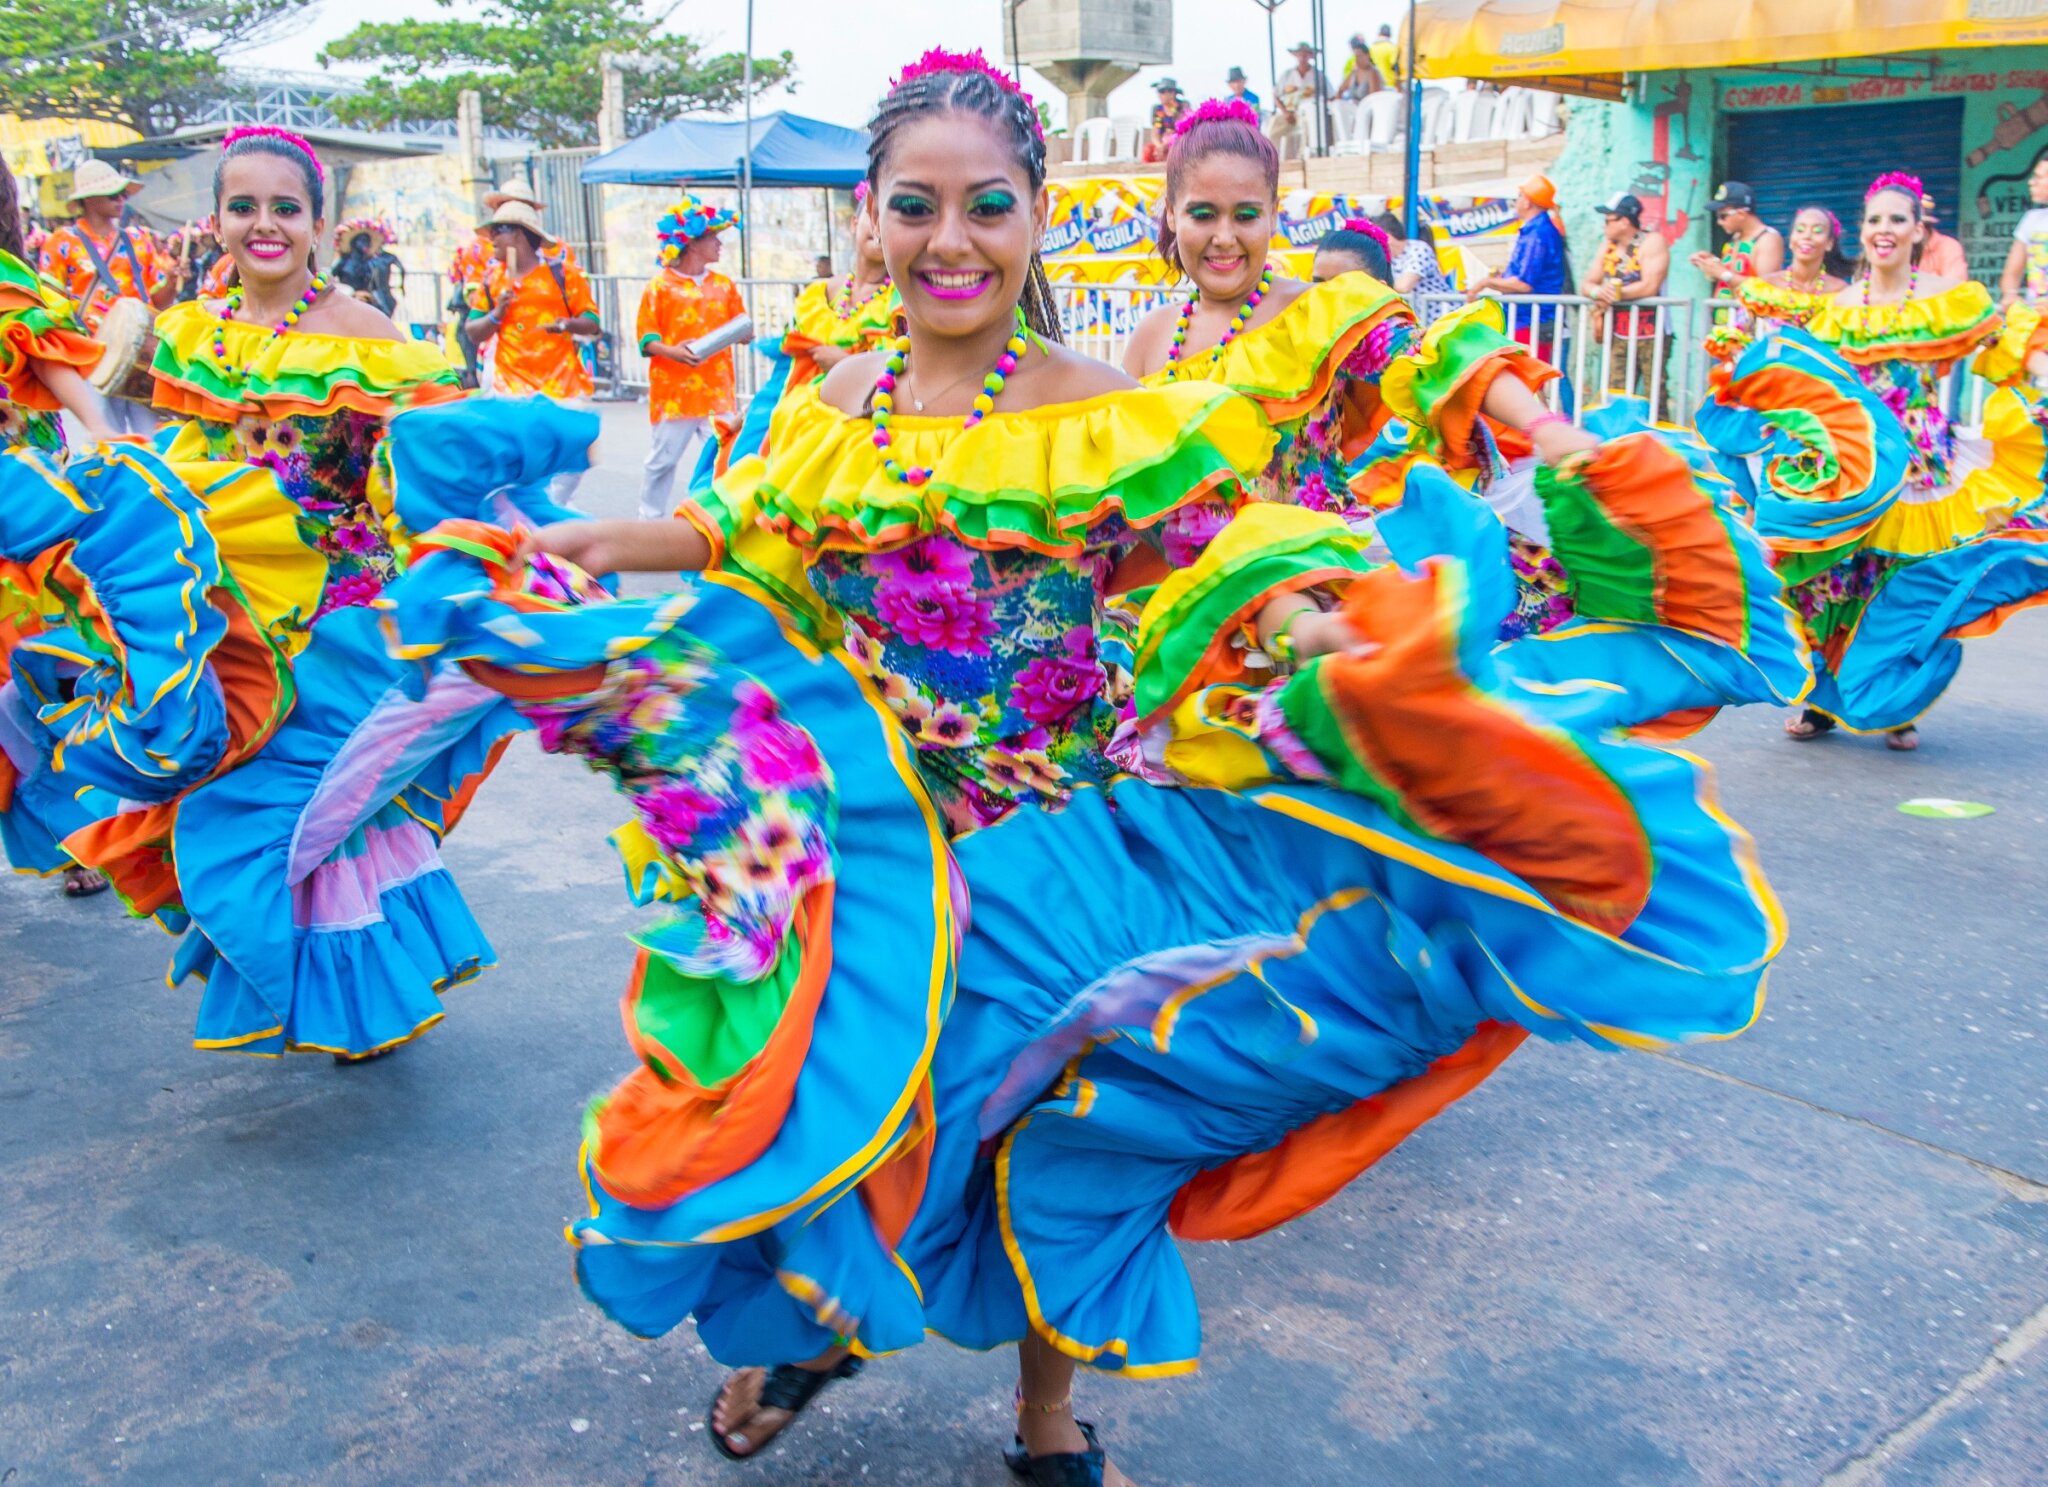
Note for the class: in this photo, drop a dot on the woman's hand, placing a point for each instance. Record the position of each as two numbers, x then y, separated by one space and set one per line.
828 357
662 546
1320 634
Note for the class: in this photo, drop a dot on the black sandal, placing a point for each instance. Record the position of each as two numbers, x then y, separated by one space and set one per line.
1066 1469
787 1388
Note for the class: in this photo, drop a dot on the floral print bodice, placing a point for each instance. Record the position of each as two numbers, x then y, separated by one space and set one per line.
993 660
1912 390
323 463
1309 468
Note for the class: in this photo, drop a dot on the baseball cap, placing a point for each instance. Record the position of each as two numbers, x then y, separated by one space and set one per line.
1623 204
1735 196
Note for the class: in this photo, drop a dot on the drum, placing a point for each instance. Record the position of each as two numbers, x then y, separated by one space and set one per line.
128 332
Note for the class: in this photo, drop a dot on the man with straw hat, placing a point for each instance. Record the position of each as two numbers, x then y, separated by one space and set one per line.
1298 89
96 260
363 262
686 301
539 310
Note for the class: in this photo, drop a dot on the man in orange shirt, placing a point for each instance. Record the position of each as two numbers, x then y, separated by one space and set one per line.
539 310
96 260
688 299
1941 255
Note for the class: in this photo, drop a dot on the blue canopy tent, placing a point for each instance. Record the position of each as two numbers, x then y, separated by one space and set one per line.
788 150
778 149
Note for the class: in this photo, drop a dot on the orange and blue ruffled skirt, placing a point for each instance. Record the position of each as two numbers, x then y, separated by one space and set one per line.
275 789
887 1085
1891 579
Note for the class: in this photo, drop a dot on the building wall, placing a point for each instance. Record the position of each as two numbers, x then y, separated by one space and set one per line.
1662 146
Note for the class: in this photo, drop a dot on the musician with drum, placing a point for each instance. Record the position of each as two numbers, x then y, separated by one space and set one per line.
106 266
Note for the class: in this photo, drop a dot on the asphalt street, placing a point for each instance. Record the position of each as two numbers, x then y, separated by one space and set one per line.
1816 1255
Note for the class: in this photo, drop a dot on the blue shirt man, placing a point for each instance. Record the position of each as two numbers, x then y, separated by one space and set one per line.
1537 265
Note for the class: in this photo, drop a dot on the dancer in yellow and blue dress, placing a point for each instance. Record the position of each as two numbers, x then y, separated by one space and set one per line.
833 319
256 769
45 355
1362 398
1897 535
860 1112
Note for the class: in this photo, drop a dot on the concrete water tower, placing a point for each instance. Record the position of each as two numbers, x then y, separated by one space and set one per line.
1087 47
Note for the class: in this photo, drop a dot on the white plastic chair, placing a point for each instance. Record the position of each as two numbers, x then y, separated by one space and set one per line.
1094 141
1517 114
1343 121
1128 133
1435 117
1546 115
1386 121
1472 116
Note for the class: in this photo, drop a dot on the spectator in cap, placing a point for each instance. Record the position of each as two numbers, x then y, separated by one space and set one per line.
1387 57
1750 249
1167 113
1299 88
1240 90
1633 265
1940 254
1361 74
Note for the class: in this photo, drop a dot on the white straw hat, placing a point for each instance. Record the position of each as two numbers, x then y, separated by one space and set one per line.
94 177
517 214
516 189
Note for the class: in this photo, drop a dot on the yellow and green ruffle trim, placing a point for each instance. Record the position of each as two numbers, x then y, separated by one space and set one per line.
1188 633
37 324
1941 328
815 321
277 376
1038 479
1290 363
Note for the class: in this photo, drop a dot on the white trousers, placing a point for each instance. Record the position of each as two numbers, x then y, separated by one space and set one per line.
675 442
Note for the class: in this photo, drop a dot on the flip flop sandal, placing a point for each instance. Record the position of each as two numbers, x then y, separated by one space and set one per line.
787 1387
1902 740
1818 725
84 888
1065 1469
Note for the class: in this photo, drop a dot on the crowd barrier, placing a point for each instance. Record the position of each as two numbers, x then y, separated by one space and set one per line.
1651 348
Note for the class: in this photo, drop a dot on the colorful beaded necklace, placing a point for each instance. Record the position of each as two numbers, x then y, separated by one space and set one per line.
1912 284
233 302
1178 349
846 309
884 401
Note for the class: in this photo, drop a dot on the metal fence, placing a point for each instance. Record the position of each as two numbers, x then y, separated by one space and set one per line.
1652 348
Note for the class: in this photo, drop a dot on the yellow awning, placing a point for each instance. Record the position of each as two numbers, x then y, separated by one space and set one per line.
22 140
1531 38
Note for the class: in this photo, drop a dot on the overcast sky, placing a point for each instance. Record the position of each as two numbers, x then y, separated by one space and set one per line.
846 51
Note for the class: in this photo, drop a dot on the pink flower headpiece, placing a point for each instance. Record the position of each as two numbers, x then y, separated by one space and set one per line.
271 131
939 60
1372 230
1897 180
860 195
1219 111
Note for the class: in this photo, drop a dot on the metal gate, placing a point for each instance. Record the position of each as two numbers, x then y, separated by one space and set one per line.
574 212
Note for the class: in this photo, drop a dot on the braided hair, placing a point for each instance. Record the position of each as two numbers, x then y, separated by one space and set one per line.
10 215
943 83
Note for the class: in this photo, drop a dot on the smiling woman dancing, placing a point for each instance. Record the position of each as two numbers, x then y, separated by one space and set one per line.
1898 535
253 767
1197 1008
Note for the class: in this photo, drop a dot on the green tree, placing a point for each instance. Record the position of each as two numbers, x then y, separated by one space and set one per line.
536 65
149 64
